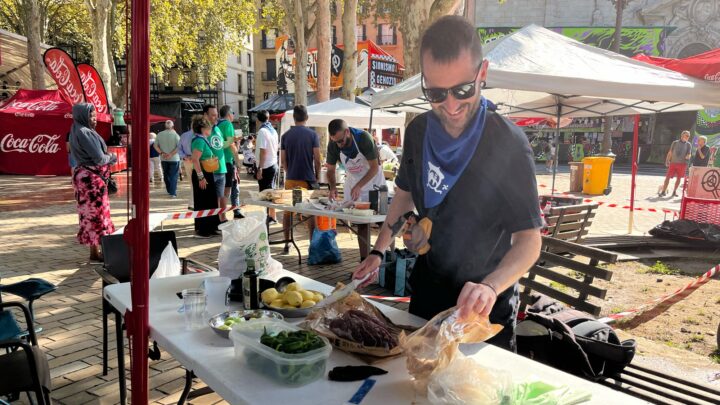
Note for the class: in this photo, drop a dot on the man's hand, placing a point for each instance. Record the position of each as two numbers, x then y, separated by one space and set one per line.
476 297
333 194
258 174
667 163
355 193
369 265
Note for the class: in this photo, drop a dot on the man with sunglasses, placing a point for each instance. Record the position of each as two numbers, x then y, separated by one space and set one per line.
471 173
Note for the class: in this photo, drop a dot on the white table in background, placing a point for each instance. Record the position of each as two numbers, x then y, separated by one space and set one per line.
211 357
361 222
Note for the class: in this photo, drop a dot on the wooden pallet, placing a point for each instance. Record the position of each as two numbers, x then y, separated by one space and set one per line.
622 242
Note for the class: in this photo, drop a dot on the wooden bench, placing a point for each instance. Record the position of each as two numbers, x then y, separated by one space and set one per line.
585 261
653 386
570 222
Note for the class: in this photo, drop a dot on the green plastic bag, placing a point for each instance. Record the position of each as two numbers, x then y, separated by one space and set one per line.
542 393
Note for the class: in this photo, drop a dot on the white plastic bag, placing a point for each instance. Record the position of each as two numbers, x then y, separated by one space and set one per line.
169 265
245 238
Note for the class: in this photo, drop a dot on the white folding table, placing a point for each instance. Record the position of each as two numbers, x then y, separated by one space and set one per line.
211 357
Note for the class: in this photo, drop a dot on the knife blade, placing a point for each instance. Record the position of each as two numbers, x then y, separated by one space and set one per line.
345 291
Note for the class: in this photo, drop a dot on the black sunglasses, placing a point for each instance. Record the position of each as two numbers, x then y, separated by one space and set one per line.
460 92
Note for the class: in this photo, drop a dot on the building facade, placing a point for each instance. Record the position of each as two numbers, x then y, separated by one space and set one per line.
379 30
238 88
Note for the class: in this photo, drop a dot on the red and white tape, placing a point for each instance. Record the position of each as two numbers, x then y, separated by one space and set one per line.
613 205
670 298
199 214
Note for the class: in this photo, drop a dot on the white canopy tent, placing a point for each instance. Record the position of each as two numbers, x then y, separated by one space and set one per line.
536 72
356 115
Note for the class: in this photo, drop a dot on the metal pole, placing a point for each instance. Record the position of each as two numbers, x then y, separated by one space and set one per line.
370 124
636 130
557 147
137 231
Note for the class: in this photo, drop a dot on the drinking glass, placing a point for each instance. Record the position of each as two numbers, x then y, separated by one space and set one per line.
194 302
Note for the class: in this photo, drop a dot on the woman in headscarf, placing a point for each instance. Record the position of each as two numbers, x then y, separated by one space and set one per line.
93 167
203 181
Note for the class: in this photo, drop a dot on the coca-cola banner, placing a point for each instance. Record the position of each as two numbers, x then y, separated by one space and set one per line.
94 87
33 129
62 68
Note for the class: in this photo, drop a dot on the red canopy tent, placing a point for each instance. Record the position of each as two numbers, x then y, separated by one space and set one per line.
33 126
704 66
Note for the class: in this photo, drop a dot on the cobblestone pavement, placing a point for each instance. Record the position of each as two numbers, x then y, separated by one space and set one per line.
39 223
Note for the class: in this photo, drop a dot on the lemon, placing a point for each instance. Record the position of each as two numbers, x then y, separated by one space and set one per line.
293 287
277 303
318 297
307 295
307 304
269 295
293 298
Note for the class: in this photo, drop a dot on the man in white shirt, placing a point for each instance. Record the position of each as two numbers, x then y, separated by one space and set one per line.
266 153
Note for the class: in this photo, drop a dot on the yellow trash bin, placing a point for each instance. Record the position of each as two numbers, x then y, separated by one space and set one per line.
596 174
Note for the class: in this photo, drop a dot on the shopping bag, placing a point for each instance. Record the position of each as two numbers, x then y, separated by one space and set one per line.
242 240
324 248
169 264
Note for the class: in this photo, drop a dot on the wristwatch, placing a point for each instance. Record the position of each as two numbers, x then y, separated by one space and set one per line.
377 253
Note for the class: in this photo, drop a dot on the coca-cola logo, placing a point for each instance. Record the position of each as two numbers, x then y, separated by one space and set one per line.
63 76
90 86
40 105
40 143
713 78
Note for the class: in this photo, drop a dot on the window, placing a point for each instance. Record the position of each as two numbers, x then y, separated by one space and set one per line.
266 95
270 73
268 39
250 102
249 59
240 83
387 35
239 59
360 32
251 84
334 35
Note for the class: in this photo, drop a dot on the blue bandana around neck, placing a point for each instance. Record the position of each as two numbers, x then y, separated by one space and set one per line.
445 158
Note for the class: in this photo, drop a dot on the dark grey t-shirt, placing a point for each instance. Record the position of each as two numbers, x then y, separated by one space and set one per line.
679 151
495 197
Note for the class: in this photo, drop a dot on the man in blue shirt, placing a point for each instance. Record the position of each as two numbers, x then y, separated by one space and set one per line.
185 152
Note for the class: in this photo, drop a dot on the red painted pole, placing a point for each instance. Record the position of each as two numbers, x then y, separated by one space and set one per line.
137 231
635 145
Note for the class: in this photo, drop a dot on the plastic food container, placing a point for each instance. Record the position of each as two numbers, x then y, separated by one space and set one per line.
286 369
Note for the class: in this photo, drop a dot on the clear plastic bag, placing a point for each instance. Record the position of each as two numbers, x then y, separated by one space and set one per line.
242 239
432 348
169 264
465 381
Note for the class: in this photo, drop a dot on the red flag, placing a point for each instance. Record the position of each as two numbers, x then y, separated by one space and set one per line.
62 68
94 87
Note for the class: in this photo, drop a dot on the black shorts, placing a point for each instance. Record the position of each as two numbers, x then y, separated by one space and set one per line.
230 180
268 175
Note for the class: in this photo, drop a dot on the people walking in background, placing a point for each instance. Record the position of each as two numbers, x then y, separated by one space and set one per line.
185 153
230 151
203 178
266 150
549 156
702 154
167 144
385 154
676 162
89 178
155 166
300 158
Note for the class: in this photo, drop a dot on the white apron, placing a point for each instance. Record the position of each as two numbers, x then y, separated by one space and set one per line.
355 170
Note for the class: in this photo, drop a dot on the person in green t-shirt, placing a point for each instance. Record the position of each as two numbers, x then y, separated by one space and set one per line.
215 139
227 130
203 182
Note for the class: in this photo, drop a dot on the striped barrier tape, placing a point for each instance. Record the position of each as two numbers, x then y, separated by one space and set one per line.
199 214
614 205
394 299
671 298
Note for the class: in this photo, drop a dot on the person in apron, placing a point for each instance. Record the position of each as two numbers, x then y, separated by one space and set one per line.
356 150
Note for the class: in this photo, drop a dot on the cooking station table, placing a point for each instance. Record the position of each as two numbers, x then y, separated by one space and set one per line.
210 357
361 222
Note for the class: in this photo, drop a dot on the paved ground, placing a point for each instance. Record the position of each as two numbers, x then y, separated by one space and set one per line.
39 222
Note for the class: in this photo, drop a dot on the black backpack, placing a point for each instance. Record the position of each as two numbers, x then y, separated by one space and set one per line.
573 341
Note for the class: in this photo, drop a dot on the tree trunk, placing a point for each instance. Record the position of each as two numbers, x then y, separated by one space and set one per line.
32 23
102 55
118 98
417 15
617 36
301 56
324 46
349 18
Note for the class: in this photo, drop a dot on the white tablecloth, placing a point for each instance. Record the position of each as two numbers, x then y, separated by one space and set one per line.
211 357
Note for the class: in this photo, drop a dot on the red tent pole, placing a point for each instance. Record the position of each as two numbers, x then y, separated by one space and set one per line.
636 129
137 231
